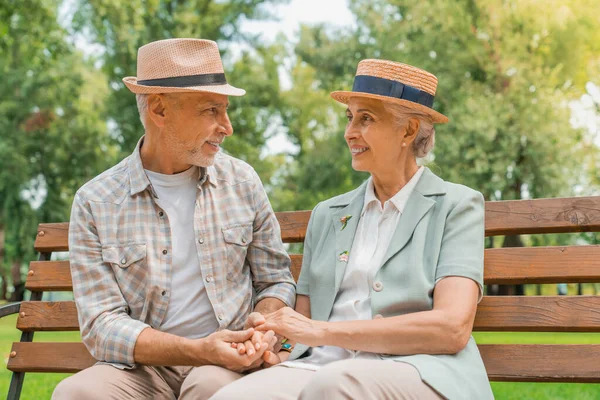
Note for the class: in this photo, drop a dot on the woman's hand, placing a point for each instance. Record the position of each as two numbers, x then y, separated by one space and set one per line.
295 326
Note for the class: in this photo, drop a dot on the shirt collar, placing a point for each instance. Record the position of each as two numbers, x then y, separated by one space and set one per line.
399 200
139 180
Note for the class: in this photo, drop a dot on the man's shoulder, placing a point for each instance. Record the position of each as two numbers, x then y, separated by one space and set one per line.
233 170
110 186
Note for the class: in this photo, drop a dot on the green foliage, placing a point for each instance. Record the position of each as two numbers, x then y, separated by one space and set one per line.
51 137
506 69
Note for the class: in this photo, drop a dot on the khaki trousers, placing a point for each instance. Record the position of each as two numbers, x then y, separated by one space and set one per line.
347 379
143 382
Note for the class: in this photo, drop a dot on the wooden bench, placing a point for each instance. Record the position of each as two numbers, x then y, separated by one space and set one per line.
504 362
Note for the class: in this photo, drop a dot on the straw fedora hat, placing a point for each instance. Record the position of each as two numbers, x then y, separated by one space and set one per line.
396 83
180 65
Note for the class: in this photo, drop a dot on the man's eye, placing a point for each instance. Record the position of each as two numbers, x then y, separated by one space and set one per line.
349 117
367 118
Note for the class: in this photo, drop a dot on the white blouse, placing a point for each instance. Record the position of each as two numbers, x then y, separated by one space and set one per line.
353 302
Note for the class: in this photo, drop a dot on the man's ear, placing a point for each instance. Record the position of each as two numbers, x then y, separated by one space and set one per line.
412 129
157 109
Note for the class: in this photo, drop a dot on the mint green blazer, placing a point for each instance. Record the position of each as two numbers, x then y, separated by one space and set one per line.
440 234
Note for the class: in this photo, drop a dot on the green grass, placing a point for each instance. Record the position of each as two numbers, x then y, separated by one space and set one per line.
40 386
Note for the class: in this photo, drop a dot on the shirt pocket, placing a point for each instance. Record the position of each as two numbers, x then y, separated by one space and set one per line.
237 239
129 265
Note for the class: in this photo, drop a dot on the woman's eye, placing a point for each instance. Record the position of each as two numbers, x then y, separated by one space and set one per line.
349 117
367 118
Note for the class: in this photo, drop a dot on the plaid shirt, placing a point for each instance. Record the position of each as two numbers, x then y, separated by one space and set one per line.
120 253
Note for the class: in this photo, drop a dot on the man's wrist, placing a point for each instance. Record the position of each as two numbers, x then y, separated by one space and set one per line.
196 351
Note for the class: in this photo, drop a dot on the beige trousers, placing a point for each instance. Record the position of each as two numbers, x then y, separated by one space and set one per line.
347 379
143 382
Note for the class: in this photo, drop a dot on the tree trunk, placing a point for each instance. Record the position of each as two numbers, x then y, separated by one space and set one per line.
511 290
4 284
18 283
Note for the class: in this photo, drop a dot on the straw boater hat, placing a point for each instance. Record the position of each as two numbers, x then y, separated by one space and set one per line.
396 83
180 65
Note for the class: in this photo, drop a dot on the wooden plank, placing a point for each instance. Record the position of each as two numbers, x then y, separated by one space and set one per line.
574 363
293 225
49 276
49 357
515 363
55 236
557 264
514 217
494 313
538 314
52 237
48 316
296 265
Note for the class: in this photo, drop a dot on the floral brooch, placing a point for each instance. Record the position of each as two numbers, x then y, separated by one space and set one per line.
343 257
344 221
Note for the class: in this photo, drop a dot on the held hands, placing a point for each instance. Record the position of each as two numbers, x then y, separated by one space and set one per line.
217 349
295 326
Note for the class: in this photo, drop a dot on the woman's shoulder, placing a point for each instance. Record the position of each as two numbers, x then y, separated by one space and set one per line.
460 196
331 205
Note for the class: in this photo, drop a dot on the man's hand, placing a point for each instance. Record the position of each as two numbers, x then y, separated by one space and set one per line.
216 349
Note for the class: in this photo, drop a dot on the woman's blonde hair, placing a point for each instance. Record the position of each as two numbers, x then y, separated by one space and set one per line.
425 139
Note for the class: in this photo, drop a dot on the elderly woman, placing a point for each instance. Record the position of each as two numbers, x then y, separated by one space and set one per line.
392 271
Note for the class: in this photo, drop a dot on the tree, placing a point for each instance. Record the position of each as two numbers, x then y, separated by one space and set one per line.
51 136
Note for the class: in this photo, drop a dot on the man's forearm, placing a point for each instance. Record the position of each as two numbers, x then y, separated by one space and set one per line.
164 349
269 305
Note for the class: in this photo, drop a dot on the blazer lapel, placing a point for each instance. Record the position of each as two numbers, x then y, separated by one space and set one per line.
344 235
418 204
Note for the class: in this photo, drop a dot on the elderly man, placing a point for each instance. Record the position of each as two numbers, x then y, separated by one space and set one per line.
173 247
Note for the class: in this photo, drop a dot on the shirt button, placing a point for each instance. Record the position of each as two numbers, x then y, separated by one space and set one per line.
201 241
244 240
164 292
161 214
220 316
209 279
378 286
123 261
165 252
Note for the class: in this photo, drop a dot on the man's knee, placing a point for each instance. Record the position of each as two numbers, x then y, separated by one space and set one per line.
75 388
203 382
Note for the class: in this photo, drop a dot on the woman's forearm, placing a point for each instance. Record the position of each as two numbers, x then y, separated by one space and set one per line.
426 332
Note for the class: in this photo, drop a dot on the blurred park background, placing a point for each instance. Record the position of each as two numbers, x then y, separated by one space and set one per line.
519 80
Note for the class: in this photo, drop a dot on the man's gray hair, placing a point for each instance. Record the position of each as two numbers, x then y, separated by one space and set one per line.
425 139
142 105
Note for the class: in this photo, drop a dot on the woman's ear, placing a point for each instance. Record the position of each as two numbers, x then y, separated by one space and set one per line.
412 129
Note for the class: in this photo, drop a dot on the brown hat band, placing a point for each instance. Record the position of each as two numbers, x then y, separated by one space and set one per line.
390 88
186 81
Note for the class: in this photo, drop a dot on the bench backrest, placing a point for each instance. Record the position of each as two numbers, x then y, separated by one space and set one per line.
504 362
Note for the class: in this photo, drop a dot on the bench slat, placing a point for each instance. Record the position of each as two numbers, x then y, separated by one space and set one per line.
556 264
513 217
542 362
516 362
538 314
49 357
560 264
49 276
48 316
502 313
559 215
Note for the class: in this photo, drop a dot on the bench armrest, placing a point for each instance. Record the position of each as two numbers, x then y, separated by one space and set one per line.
10 309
